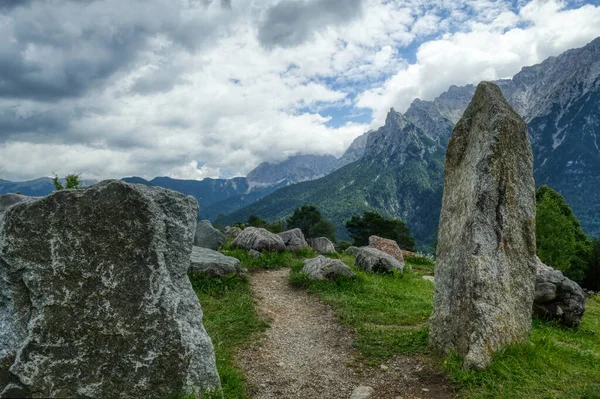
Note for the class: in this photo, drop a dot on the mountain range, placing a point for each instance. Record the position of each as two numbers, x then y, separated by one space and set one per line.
398 169
401 172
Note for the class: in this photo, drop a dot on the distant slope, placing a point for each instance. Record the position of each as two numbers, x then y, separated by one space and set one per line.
34 188
295 169
400 175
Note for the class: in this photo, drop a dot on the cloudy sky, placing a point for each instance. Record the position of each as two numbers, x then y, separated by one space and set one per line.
200 88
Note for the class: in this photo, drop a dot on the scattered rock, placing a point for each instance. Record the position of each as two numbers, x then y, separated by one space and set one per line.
258 239
362 393
557 297
388 246
322 268
352 250
374 260
322 245
211 263
383 367
96 299
293 239
484 277
429 278
208 237
232 231
254 254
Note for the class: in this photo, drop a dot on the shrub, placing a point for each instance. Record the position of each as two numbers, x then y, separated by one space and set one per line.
372 223
308 219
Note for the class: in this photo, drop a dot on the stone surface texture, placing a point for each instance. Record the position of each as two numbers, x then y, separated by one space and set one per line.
208 237
293 239
322 245
232 231
484 277
96 301
388 246
322 268
374 260
259 240
207 262
557 297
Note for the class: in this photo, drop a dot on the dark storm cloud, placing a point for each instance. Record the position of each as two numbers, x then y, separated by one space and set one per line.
292 22
44 58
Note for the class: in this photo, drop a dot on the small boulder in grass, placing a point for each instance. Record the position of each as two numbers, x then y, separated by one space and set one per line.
374 260
293 239
258 239
557 297
388 246
352 250
322 268
206 262
322 245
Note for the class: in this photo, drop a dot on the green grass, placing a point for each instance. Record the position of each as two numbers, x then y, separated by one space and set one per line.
558 362
271 260
388 312
232 322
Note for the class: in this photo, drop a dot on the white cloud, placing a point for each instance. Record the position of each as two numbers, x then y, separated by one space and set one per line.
200 96
492 48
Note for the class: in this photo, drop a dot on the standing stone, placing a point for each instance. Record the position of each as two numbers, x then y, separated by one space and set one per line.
259 240
388 246
293 239
96 301
208 237
322 245
485 269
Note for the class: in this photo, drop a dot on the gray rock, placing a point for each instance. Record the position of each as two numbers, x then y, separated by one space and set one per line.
375 260
388 246
322 245
429 278
207 262
293 239
208 237
352 250
484 277
322 268
232 231
8 200
96 301
259 240
557 297
254 254
362 392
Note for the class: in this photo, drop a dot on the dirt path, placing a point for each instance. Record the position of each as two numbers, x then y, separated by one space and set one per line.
307 354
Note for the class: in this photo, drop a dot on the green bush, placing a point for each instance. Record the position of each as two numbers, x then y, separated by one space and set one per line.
560 241
372 223
308 219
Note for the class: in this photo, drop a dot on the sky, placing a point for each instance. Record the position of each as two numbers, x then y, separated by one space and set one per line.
211 88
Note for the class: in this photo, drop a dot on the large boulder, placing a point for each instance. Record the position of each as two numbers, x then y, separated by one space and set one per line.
322 245
557 297
259 240
232 231
96 301
322 268
293 239
485 269
8 200
374 260
207 236
388 246
206 262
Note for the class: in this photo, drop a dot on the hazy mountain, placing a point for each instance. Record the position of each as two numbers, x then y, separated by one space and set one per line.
295 169
400 174
35 188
